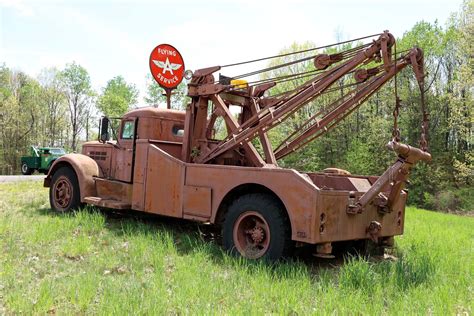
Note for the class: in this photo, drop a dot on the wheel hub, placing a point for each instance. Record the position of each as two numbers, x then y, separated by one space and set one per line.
251 235
257 234
62 192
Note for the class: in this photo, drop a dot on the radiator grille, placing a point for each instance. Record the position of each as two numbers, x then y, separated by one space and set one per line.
98 155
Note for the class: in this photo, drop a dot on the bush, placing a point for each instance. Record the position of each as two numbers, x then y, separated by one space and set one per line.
450 200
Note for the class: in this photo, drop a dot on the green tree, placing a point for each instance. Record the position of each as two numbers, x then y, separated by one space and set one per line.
19 112
78 92
117 97
155 95
54 105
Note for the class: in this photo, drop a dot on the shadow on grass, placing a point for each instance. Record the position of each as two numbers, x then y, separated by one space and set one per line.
348 270
190 237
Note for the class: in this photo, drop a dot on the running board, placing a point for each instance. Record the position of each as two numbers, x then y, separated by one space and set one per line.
107 203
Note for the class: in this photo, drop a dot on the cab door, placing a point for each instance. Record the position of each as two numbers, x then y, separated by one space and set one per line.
123 158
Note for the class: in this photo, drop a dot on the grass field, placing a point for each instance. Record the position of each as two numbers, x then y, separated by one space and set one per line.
93 263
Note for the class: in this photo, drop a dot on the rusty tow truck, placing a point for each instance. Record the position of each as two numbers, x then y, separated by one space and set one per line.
170 163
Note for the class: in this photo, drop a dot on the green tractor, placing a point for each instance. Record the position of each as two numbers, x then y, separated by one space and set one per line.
41 158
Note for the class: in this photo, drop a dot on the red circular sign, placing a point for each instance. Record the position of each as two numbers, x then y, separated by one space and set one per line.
166 66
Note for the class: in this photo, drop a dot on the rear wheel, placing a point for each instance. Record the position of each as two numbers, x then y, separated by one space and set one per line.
64 193
25 170
256 226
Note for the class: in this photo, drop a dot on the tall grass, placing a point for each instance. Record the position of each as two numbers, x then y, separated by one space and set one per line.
93 262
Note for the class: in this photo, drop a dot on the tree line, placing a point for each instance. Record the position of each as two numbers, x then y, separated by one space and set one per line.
60 108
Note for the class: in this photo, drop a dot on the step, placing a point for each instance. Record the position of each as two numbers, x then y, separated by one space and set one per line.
113 190
108 203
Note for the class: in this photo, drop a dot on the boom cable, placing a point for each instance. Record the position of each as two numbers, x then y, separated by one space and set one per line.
345 55
301 51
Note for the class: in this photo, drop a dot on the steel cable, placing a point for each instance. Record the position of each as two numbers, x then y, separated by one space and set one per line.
301 51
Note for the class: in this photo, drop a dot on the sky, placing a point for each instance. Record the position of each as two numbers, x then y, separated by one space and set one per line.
111 38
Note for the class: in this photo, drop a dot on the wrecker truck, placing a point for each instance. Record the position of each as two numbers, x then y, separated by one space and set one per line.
169 162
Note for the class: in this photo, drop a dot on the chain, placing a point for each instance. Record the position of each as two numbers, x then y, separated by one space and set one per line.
396 111
424 123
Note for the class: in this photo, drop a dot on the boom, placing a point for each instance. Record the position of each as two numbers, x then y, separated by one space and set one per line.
259 114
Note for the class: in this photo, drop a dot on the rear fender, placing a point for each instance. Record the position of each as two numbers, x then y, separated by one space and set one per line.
84 167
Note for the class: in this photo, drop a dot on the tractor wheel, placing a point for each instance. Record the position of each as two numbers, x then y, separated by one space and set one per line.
64 194
25 170
256 226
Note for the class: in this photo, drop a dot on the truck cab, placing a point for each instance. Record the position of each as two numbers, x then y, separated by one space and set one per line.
115 159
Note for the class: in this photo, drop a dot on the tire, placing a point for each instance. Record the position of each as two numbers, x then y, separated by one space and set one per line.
64 192
257 227
25 170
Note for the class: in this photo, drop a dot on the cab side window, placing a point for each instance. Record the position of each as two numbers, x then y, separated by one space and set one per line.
127 130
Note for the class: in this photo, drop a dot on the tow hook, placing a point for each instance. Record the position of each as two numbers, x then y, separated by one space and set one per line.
373 230
353 207
381 201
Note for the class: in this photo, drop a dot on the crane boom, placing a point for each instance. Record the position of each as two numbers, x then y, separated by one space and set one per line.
259 114
317 126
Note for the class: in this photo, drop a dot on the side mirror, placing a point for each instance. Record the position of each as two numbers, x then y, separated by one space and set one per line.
104 129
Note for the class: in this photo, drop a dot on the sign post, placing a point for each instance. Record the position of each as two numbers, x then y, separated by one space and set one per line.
167 68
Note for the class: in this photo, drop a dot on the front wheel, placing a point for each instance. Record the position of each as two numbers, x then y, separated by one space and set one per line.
25 170
257 226
64 192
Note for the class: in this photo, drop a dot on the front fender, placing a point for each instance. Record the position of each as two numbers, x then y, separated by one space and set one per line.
84 167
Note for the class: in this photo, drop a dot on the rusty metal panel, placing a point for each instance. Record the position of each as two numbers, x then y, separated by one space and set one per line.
141 157
295 190
163 129
361 185
139 175
197 201
138 196
102 154
122 162
332 182
164 183
115 190
108 203
172 148
335 224
341 182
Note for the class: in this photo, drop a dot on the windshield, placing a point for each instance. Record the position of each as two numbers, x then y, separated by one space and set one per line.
57 151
